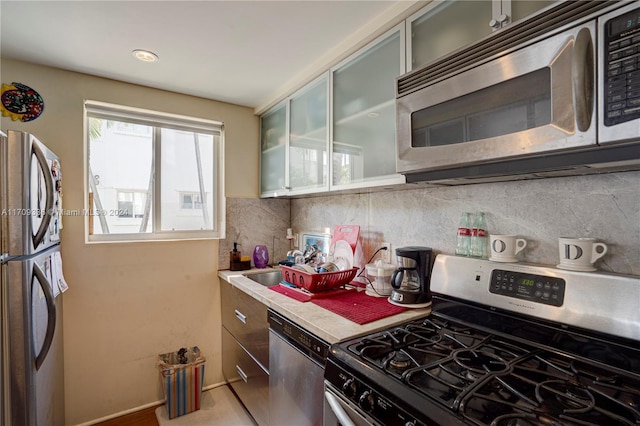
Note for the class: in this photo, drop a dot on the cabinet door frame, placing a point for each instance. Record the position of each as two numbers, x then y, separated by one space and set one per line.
408 31
498 7
383 180
278 191
308 86
428 9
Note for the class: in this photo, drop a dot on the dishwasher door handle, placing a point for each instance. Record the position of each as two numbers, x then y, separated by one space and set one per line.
337 409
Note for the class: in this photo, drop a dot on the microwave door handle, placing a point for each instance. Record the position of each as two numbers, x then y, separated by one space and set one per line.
343 417
583 78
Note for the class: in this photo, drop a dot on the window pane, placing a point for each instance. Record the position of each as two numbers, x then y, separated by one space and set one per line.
152 176
187 180
120 158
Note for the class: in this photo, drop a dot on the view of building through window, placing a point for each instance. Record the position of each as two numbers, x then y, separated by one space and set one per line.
190 200
150 179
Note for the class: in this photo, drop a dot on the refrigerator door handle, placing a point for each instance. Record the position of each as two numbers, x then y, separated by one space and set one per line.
38 237
51 313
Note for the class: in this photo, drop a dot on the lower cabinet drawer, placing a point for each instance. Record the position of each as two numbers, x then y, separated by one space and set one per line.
246 320
247 378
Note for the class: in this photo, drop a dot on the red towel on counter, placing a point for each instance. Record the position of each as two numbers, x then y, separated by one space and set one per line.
359 307
353 305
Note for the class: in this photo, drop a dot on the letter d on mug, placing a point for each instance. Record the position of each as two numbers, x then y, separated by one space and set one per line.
580 253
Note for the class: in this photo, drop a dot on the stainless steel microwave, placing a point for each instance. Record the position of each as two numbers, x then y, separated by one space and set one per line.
555 94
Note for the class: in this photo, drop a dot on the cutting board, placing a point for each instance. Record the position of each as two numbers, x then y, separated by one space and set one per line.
349 233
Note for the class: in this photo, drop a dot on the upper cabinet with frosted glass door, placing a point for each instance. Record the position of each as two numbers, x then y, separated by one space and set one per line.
295 143
309 138
364 114
445 26
273 151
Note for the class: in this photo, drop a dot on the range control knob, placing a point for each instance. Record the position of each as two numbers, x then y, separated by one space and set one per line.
366 401
349 388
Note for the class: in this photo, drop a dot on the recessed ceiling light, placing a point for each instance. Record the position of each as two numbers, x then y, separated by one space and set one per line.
145 55
373 115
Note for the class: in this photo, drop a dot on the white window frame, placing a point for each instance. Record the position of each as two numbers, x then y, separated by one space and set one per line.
174 121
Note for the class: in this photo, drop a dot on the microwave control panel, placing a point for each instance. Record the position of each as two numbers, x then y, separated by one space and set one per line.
525 286
622 68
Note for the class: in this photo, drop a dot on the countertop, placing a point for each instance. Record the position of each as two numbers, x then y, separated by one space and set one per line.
319 321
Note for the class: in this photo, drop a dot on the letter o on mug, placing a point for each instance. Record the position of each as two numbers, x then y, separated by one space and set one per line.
498 246
506 247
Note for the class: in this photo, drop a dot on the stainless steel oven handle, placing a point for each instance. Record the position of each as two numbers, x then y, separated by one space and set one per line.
583 78
337 409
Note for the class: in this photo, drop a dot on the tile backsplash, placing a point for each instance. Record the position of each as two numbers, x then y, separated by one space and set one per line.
606 207
252 221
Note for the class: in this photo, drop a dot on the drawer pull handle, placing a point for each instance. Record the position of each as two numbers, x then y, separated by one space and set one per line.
242 374
242 317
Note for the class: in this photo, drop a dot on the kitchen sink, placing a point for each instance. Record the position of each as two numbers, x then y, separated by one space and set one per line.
267 279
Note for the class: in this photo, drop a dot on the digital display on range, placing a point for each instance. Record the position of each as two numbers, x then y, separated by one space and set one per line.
527 281
625 23
535 288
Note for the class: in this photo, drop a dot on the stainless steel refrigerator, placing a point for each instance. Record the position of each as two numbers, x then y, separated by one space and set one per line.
32 372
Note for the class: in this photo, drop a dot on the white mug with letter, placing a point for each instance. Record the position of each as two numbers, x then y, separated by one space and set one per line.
504 248
579 254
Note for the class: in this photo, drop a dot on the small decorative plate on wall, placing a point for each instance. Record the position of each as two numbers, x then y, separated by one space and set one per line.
321 241
20 102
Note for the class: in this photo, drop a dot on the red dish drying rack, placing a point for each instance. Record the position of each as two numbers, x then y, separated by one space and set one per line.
317 282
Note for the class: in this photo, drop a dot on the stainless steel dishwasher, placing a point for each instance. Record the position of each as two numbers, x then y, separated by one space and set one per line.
296 373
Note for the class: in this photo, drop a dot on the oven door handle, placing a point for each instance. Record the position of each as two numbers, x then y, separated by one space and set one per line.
337 409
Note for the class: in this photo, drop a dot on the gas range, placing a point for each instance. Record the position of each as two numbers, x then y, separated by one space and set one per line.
504 345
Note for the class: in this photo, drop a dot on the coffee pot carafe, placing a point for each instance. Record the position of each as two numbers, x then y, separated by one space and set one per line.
410 281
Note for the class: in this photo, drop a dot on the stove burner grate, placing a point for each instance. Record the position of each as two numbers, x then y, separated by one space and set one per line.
568 397
522 420
525 373
423 344
543 389
481 362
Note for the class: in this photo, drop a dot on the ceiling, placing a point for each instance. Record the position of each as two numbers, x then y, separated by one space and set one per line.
243 52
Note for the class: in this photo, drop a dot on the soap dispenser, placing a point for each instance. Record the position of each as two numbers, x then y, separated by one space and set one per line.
234 254
236 261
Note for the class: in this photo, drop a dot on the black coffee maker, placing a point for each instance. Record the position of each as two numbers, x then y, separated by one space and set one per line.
410 281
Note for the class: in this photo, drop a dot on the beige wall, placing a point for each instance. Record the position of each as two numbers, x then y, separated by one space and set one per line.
129 302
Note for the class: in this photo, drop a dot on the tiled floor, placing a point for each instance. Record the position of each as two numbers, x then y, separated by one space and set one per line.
219 406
